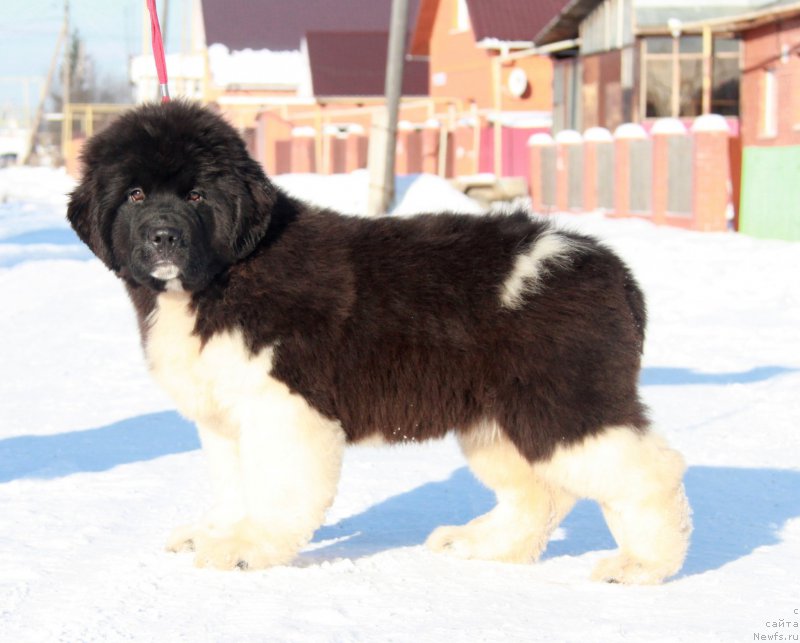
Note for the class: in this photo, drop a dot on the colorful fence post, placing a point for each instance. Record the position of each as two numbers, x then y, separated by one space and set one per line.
542 171
633 169
569 170
464 152
356 150
345 148
711 198
403 151
598 169
303 153
672 171
336 149
273 145
430 146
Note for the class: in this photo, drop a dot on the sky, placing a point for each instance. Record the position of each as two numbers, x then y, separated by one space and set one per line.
111 30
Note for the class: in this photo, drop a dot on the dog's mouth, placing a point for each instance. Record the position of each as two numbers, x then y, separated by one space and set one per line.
165 271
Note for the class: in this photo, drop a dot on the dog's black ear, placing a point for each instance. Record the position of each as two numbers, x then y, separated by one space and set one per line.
254 210
83 213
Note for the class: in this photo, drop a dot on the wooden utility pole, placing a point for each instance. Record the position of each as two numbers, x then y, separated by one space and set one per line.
66 71
165 21
383 137
37 119
66 84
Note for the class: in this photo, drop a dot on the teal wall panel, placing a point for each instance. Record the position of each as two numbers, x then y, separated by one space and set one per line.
770 201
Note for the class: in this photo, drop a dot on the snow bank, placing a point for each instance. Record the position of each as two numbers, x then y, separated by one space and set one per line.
95 469
35 185
417 193
347 193
33 225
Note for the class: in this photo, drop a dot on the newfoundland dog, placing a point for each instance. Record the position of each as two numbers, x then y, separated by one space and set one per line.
286 331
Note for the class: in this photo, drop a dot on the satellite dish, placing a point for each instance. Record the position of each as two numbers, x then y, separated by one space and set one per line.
517 82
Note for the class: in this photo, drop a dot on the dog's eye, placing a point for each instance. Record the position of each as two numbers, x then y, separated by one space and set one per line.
136 195
194 196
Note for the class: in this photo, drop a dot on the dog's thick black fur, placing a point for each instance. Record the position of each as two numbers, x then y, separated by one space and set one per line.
397 328
392 326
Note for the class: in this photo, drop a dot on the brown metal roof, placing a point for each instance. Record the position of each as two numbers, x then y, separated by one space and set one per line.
511 20
354 64
279 25
564 26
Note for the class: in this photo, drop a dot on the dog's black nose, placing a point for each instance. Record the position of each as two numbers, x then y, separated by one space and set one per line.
165 237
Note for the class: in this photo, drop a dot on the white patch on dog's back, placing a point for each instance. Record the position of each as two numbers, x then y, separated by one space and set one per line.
550 249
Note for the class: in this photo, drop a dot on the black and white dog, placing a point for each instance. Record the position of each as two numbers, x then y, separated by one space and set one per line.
286 331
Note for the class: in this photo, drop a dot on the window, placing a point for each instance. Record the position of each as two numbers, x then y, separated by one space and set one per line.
725 77
672 76
691 87
658 84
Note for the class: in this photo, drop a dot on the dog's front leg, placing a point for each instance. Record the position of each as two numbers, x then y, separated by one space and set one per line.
221 449
290 459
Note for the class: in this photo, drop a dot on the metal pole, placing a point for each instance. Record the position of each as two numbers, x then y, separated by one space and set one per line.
165 20
384 189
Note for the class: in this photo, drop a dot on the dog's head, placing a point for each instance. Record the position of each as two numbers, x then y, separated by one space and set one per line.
170 192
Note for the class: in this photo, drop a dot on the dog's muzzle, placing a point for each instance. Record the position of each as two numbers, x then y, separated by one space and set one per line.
166 247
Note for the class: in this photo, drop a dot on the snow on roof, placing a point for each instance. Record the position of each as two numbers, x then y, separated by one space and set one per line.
251 68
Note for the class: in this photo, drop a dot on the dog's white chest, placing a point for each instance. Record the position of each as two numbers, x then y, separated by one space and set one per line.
208 383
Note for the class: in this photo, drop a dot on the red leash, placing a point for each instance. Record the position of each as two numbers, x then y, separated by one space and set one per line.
158 51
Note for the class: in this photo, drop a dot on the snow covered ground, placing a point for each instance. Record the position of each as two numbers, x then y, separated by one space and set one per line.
95 468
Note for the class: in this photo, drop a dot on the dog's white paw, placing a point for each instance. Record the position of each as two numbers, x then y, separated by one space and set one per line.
182 538
628 570
244 546
482 542
447 540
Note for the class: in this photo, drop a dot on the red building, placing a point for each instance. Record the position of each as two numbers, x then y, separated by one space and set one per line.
483 63
617 62
770 122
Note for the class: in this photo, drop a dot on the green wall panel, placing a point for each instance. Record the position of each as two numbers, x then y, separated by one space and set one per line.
770 202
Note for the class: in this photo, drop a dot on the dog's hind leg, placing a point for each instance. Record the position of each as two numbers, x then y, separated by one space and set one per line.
528 507
637 479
